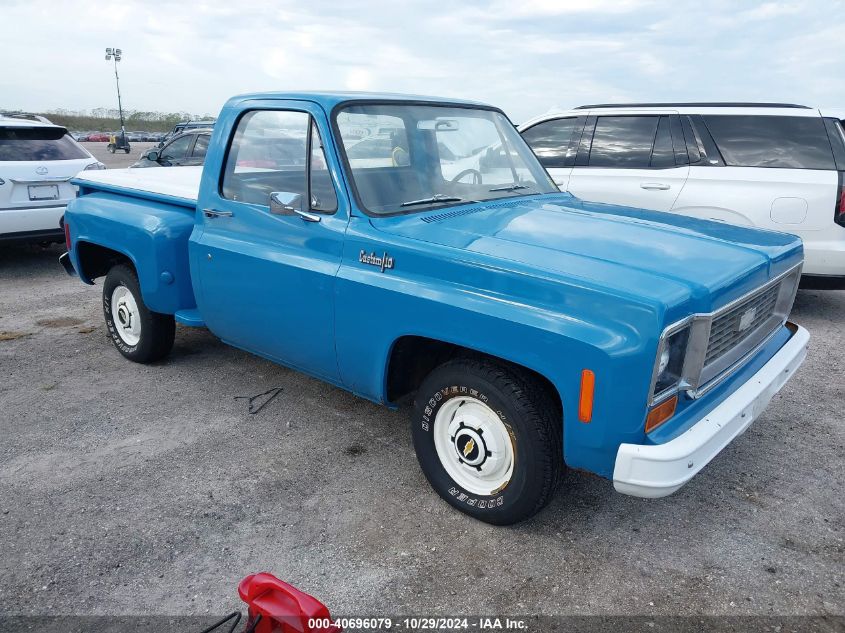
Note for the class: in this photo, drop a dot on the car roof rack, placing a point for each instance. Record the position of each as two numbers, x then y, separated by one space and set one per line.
26 116
694 104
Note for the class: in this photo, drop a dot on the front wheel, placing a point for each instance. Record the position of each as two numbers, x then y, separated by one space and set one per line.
489 439
138 333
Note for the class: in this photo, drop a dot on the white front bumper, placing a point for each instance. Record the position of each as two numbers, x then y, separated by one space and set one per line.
657 470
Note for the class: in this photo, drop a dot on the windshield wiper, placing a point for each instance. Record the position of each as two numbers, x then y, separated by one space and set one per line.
438 197
511 187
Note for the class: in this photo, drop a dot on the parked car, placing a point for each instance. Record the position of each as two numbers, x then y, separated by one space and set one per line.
187 149
98 137
529 327
772 166
37 161
186 126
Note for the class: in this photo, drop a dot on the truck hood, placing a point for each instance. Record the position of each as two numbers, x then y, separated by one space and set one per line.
661 255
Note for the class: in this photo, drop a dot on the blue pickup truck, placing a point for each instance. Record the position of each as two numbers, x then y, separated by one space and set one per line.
413 250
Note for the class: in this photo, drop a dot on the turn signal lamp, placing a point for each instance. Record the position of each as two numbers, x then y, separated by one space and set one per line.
659 414
585 402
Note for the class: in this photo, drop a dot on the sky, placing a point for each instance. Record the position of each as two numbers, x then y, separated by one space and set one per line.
526 57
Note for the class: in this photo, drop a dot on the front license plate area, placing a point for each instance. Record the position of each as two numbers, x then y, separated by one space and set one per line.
43 192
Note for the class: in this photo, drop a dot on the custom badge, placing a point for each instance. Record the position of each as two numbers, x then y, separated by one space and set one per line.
385 261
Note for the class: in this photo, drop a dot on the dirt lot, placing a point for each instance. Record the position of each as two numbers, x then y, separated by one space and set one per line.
118 159
129 489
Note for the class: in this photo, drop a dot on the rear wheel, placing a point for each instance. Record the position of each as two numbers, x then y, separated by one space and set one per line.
138 333
489 439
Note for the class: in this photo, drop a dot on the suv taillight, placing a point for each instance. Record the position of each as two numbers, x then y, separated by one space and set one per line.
67 236
839 212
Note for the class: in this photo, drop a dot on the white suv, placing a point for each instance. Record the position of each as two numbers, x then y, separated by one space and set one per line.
773 166
37 161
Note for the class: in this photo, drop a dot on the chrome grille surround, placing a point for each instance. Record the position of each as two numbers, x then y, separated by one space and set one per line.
717 344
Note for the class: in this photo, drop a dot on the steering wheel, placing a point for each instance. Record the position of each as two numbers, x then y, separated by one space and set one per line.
476 176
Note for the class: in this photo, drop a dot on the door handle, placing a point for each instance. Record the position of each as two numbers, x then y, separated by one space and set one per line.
211 213
654 186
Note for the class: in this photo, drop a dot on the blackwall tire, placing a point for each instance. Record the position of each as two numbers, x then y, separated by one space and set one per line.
489 439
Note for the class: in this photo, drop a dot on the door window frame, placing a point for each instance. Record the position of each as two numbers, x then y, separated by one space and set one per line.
311 123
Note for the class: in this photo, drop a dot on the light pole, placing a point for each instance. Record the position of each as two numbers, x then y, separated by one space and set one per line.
116 53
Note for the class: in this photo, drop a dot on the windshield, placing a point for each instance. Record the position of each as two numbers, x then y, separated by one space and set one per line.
406 157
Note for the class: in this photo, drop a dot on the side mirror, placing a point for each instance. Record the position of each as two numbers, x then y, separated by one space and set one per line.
287 203
152 155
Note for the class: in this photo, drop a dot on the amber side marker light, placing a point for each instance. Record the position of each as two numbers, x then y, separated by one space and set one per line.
585 403
659 414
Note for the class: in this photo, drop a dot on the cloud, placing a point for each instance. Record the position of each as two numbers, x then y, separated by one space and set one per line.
523 56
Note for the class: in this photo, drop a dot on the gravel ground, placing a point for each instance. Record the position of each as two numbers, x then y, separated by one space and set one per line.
118 159
128 489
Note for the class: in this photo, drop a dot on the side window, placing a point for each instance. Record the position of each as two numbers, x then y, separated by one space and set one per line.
663 154
836 135
680 146
771 141
201 146
323 196
550 140
268 153
693 143
624 142
177 149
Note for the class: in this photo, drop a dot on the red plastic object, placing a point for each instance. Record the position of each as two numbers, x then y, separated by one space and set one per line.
283 608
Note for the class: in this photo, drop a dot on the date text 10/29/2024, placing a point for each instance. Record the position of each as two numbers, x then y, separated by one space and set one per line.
421 623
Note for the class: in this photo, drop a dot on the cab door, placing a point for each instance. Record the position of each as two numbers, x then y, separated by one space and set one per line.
267 269
637 160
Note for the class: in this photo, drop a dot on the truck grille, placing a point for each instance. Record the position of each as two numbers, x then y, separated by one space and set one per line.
725 333
720 341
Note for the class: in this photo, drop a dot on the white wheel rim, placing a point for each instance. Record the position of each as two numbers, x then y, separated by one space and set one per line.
125 315
473 445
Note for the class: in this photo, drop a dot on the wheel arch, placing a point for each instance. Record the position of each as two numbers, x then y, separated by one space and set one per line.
412 357
95 260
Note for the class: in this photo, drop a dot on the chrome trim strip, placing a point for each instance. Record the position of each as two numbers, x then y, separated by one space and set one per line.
699 339
46 181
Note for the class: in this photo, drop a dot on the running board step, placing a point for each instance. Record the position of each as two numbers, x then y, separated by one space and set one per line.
191 318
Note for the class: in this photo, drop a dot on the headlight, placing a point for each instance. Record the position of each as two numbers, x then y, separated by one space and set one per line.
669 367
95 165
